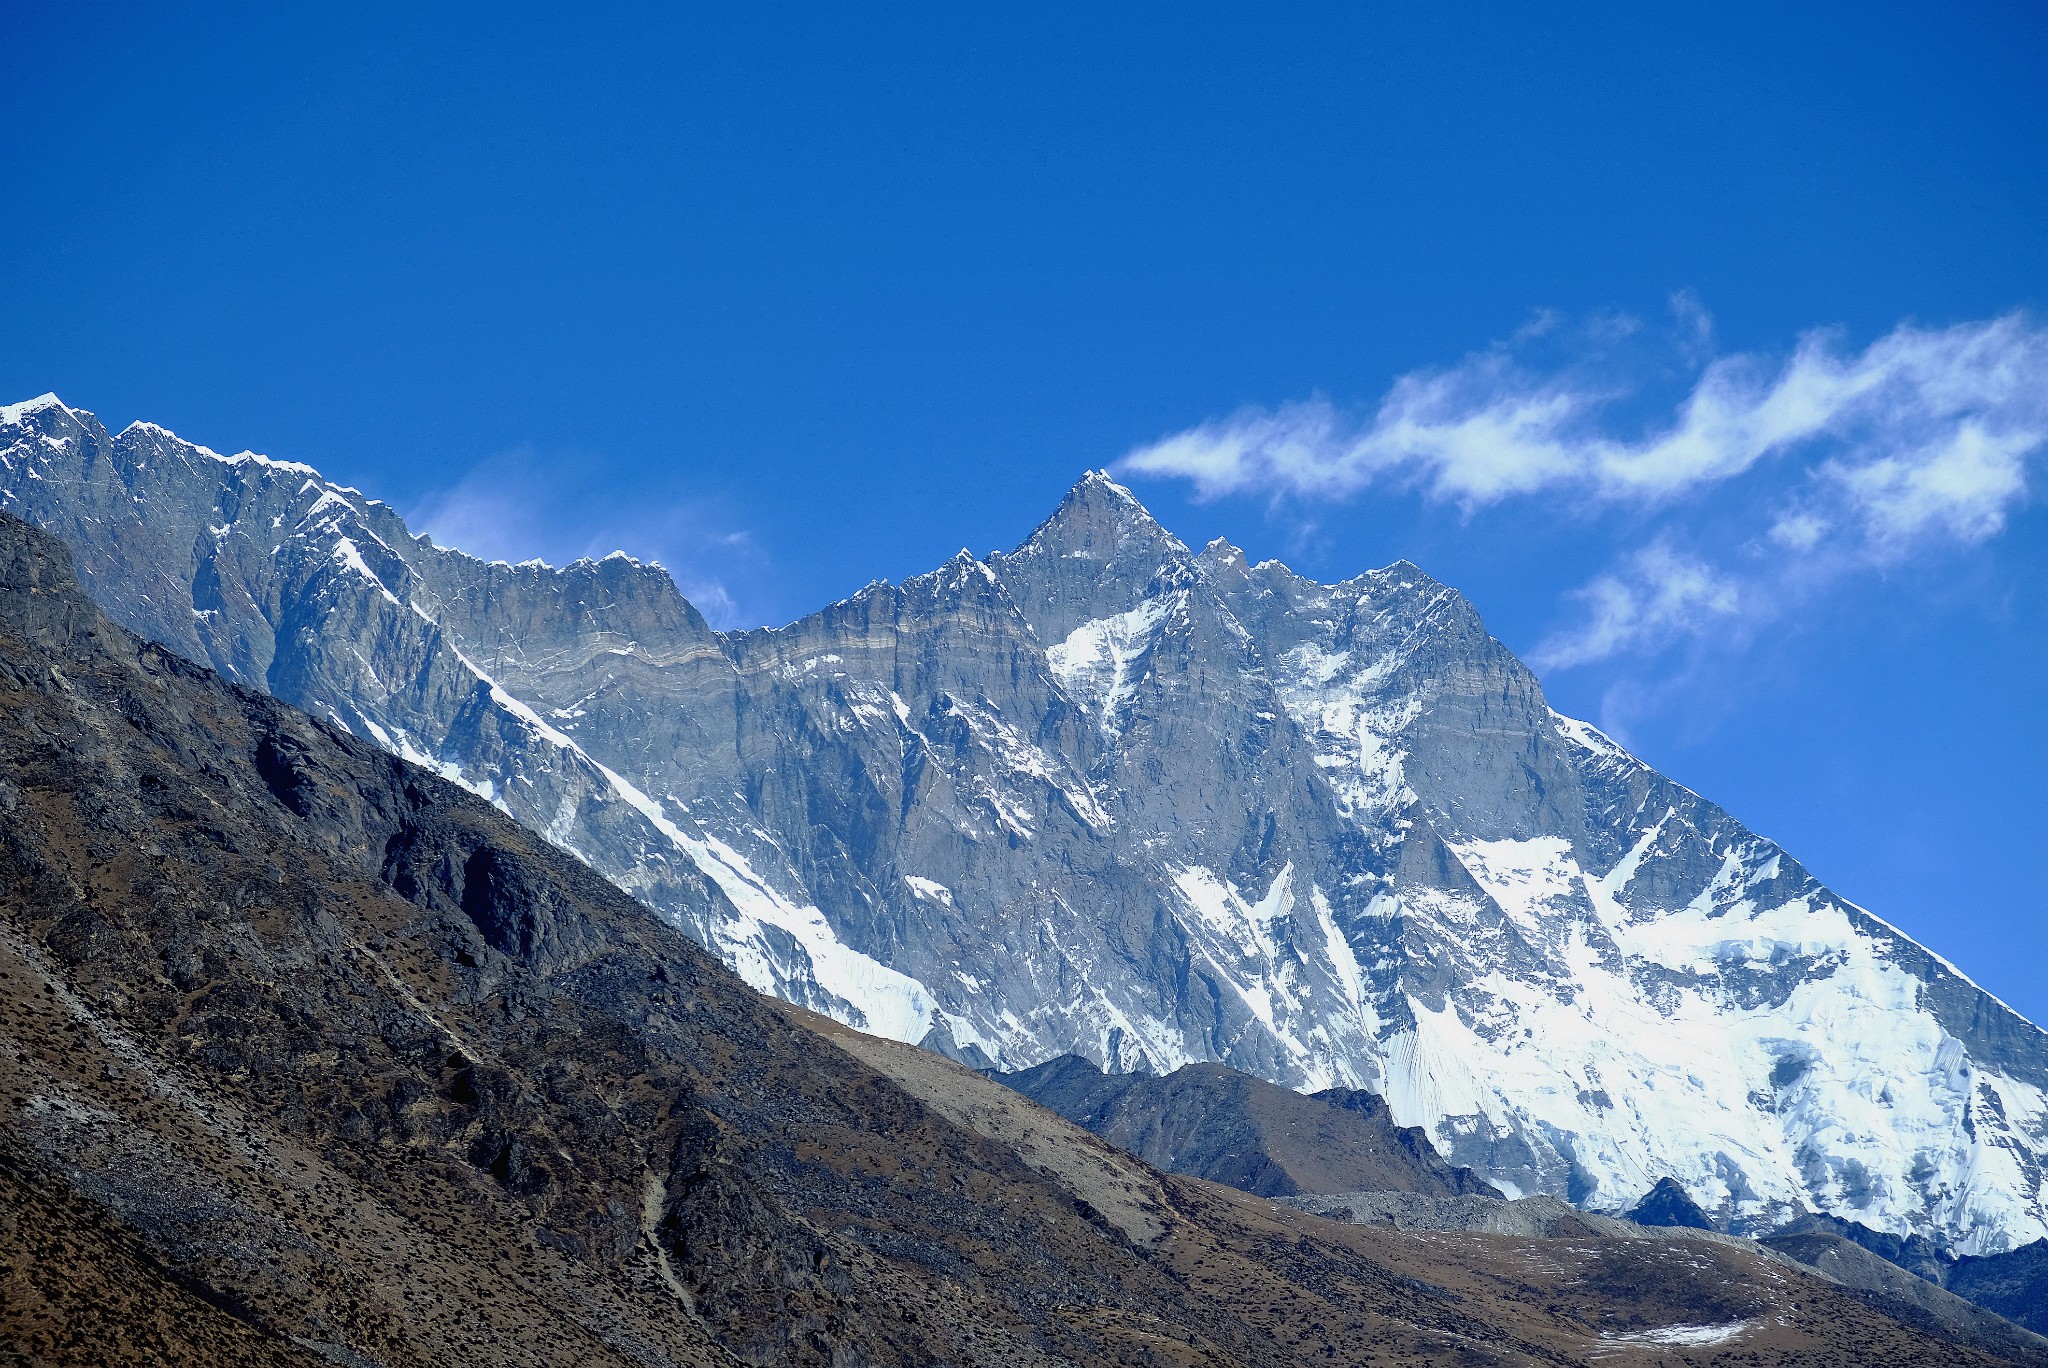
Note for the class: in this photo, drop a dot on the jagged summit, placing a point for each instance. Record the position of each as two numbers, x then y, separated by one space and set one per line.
1100 481
1084 562
1097 519
1220 551
130 440
1095 797
14 413
613 558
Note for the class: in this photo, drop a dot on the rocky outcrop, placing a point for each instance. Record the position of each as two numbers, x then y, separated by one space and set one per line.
1668 1204
1916 1254
1862 1275
2014 1283
1214 1122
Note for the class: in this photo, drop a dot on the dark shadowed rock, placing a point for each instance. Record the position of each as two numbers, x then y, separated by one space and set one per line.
1217 1123
1667 1204
1914 1253
2014 1284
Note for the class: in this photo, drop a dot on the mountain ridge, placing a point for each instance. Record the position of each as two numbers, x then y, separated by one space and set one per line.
312 1056
1103 795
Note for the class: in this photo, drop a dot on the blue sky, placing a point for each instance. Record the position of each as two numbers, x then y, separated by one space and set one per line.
1703 349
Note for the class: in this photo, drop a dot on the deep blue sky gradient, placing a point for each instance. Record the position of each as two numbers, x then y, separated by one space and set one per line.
794 298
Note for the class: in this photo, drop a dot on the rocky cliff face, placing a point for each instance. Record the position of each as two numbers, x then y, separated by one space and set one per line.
1105 796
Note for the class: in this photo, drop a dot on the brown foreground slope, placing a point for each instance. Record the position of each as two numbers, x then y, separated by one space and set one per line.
308 1056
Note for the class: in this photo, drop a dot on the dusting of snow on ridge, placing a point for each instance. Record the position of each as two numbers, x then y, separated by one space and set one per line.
1588 736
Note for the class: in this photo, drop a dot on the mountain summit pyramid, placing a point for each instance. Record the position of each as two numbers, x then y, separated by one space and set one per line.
1104 796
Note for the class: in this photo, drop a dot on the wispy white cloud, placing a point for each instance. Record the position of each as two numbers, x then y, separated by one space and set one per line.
1489 429
1962 485
1651 598
1924 436
520 504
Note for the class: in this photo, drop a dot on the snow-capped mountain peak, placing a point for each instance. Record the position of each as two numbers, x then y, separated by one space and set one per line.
1102 795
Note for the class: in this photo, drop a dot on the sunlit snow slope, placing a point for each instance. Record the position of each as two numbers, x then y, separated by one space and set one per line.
1106 796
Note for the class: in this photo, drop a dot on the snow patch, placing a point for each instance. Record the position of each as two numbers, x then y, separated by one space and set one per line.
1535 882
1097 661
350 558
1687 1336
929 888
1337 703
